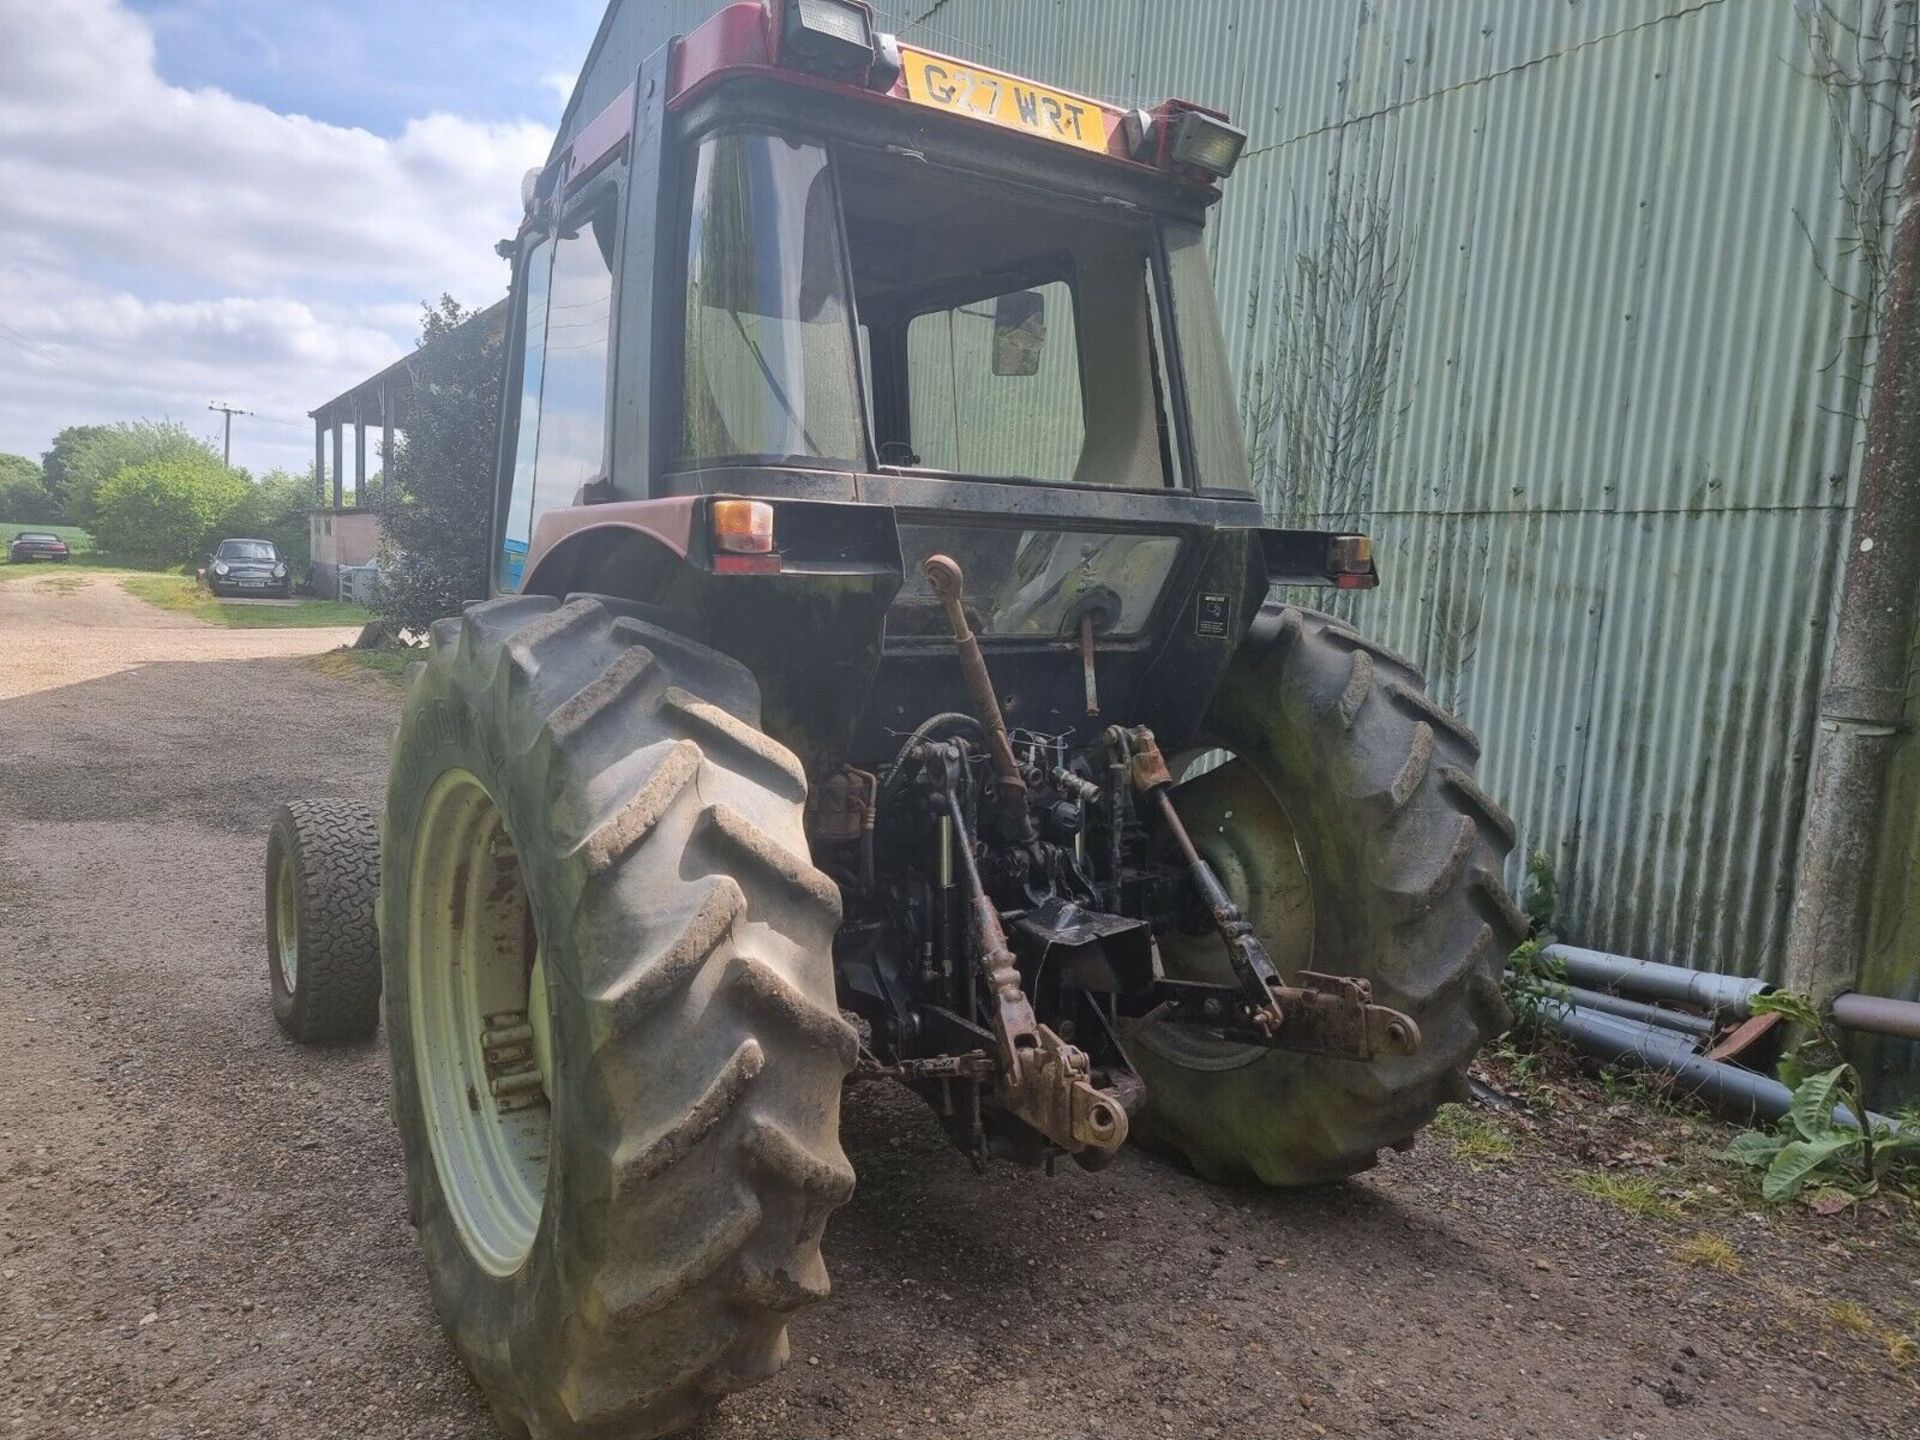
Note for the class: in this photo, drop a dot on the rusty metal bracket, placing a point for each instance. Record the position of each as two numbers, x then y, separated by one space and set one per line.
1042 1079
1014 1024
1322 1015
948 582
975 1065
1088 677
1147 770
1335 1015
1051 1091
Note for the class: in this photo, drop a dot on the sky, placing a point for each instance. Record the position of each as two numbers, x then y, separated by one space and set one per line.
245 202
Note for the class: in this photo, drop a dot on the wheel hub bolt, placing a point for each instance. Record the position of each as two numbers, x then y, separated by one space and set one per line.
506 1043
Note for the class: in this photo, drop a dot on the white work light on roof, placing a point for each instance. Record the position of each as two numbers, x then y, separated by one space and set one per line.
1207 144
827 35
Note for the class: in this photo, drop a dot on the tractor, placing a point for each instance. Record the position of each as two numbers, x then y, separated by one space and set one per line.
887 673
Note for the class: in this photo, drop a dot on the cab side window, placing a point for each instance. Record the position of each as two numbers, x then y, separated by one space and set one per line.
567 310
517 526
573 399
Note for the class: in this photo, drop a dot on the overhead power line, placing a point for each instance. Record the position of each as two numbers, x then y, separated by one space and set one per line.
226 453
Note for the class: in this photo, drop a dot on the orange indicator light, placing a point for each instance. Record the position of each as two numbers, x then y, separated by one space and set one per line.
743 527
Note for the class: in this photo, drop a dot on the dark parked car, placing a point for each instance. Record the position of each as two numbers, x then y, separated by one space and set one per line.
248 567
36 545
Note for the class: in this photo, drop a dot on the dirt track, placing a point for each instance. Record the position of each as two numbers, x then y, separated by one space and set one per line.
202 1230
59 628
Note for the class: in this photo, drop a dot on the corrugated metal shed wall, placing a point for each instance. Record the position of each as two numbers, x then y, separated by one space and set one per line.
1592 375
1606 443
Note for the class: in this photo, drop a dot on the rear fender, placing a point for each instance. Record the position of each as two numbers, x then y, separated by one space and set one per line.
1239 566
811 630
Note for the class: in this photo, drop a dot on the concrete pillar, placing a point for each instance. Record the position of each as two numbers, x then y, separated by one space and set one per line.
339 466
319 462
389 472
359 454
1863 704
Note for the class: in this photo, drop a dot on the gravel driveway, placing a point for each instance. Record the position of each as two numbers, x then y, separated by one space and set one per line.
202 1230
59 629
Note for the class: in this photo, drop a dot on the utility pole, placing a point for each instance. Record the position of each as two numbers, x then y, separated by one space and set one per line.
226 455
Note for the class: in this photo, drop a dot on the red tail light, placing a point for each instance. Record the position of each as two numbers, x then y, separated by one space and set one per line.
1350 562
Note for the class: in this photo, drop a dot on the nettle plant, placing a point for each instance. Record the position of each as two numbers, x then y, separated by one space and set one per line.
1837 1153
1533 975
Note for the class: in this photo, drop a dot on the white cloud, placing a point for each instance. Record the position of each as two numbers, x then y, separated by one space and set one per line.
165 247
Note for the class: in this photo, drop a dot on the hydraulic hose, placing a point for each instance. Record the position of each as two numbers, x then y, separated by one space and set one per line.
923 732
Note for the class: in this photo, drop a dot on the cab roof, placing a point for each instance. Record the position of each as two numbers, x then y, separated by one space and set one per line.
756 38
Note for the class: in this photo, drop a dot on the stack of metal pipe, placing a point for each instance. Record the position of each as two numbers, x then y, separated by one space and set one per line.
1610 1010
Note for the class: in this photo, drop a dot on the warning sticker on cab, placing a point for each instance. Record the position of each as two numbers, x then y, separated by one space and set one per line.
943 84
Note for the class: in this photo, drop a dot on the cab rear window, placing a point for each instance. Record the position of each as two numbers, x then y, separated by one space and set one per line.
1008 332
993 385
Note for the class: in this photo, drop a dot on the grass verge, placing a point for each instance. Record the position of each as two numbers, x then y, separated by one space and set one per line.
87 557
90 564
1636 1194
1477 1142
389 665
1709 1252
184 595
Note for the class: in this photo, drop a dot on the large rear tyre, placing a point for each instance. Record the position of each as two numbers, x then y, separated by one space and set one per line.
609 1003
323 947
1350 831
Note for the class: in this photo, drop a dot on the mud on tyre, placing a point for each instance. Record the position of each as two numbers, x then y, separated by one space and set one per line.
609 999
1351 826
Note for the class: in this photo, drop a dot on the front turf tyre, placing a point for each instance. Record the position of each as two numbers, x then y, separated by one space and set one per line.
610 1011
1350 831
323 946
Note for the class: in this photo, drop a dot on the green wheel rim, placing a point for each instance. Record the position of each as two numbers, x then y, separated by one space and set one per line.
1244 832
477 997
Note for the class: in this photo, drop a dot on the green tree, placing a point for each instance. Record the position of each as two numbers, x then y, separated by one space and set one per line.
274 507
69 455
437 520
19 467
169 512
85 457
24 497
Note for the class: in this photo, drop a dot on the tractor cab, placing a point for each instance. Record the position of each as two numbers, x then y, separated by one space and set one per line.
900 305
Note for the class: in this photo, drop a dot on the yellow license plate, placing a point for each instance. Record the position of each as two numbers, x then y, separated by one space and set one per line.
943 84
